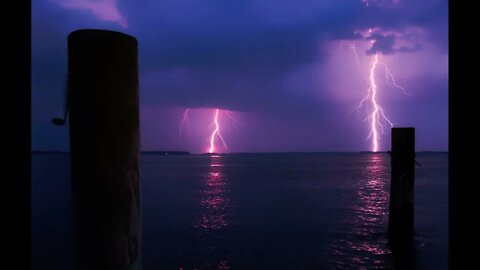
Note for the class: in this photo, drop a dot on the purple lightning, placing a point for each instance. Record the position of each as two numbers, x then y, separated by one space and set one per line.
216 133
377 117
354 50
377 110
184 120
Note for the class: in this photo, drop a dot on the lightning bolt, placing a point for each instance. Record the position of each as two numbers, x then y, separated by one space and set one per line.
354 50
184 120
390 80
377 110
216 133
377 118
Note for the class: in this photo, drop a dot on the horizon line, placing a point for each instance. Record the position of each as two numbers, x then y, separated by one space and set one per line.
266 152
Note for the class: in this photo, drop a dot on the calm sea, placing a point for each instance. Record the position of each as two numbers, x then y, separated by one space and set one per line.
257 211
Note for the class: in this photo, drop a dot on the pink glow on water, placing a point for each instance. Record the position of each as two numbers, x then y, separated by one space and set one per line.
214 199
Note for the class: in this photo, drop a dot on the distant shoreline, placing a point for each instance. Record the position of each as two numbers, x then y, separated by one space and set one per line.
142 152
247 153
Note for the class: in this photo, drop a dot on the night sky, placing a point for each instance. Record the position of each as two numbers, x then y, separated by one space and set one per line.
285 70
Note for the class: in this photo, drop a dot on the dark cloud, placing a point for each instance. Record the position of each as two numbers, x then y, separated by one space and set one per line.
386 44
268 49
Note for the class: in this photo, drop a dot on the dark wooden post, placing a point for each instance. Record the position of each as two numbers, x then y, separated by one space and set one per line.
402 184
104 149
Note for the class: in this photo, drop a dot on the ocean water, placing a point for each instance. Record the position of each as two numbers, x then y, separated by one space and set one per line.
258 211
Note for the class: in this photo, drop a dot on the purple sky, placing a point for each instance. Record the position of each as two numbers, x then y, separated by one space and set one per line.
285 69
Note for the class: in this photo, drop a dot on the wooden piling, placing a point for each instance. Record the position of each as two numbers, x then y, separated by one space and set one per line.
104 149
402 184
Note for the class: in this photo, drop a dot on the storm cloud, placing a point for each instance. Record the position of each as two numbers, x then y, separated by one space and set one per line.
275 60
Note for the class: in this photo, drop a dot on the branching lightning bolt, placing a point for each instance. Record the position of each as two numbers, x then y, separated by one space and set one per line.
216 133
184 120
377 118
354 50
377 110
390 80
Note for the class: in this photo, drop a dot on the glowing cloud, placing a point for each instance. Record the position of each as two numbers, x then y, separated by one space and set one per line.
105 10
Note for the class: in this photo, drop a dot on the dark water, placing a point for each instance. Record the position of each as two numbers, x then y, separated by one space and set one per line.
257 211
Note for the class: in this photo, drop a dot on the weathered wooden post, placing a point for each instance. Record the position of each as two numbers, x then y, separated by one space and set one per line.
402 185
104 149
